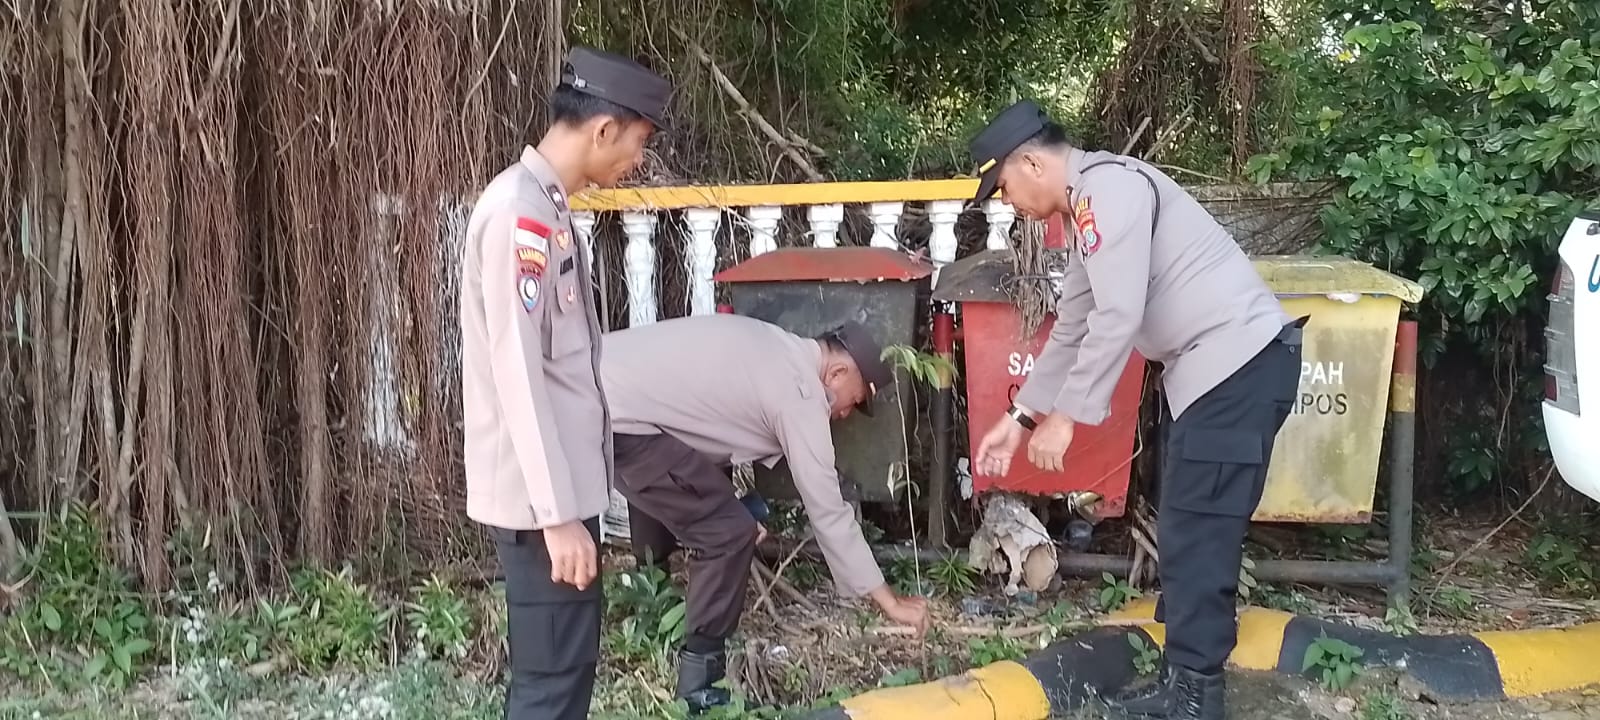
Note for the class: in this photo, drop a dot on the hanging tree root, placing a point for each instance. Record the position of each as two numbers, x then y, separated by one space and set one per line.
791 145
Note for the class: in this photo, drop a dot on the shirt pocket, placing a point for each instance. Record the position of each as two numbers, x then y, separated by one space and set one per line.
566 323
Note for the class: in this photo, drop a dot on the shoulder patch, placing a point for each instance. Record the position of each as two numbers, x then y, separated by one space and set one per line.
531 233
528 291
1088 234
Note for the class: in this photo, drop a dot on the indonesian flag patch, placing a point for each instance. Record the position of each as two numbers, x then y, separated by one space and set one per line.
1088 235
532 233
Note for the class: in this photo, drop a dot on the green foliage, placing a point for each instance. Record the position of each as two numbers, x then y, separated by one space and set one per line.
993 649
645 614
905 575
84 624
926 368
1400 621
1145 654
330 620
1338 661
1116 592
441 624
1465 136
1454 602
1561 563
902 678
1379 705
1247 580
805 575
952 576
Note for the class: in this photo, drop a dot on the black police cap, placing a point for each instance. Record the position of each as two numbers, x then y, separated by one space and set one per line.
860 345
615 78
989 148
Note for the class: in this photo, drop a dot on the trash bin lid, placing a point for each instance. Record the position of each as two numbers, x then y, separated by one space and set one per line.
1325 274
840 264
984 276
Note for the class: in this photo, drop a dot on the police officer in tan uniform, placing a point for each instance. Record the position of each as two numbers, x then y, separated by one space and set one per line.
1152 270
691 397
537 433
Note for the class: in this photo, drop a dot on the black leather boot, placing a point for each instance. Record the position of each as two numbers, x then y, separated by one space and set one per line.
697 673
1188 695
1145 699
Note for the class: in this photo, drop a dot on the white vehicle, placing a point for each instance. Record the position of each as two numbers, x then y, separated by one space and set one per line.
1572 360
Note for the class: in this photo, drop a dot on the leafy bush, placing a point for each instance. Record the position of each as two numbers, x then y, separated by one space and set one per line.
1465 136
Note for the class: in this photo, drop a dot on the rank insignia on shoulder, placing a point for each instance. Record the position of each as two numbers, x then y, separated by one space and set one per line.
531 233
528 290
556 196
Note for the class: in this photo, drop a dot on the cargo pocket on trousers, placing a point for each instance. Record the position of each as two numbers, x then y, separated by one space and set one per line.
554 637
1219 472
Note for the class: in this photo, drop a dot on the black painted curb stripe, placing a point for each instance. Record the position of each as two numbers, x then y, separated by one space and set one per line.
1451 667
1074 671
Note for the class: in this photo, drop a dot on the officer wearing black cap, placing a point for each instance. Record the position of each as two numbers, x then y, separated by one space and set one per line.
537 435
691 397
1152 270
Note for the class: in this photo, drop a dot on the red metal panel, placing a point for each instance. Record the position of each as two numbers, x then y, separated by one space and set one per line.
997 362
861 264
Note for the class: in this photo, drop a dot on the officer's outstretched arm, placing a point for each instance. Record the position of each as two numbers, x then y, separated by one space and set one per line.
1112 214
1038 392
803 433
516 246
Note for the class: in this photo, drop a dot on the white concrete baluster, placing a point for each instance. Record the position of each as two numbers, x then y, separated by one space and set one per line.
942 244
764 228
885 216
641 265
825 220
583 222
703 224
1001 216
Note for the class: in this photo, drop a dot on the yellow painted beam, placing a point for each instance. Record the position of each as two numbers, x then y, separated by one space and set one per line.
730 196
1002 691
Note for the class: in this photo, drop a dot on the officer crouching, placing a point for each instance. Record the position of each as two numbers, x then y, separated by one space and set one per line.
1152 270
692 396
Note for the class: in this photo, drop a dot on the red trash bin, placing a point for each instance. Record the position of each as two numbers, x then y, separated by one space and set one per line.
997 362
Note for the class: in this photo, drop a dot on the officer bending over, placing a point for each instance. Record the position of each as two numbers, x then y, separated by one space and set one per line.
692 396
537 434
1153 271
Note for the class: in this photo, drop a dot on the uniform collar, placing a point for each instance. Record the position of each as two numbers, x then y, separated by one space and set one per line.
1075 158
546 174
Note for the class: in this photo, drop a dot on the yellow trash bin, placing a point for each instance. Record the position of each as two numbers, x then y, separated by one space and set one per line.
1325 462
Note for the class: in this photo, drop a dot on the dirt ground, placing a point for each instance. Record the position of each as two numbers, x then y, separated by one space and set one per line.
1517 579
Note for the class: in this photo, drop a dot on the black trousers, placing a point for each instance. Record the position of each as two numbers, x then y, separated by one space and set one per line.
678 497
1215 471
553 628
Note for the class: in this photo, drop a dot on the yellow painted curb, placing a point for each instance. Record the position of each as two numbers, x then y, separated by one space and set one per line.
1535 662
1001 691
1260 633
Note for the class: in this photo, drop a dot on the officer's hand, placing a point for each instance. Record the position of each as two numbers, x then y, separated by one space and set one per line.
573 559
997 448
909 611
761 533
1049 443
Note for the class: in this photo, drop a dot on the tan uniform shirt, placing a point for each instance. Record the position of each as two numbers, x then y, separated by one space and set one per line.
538 439
739 390
1184 295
